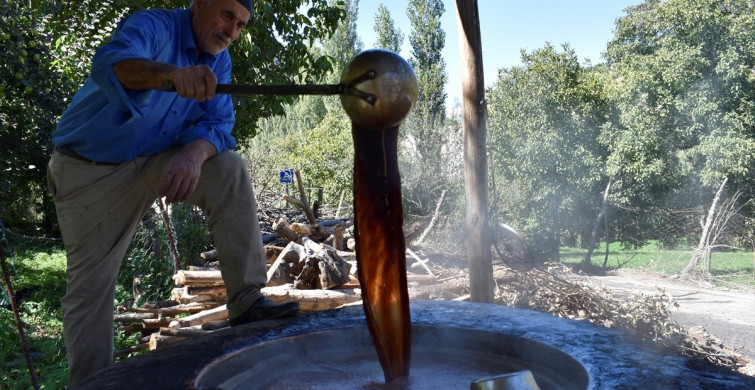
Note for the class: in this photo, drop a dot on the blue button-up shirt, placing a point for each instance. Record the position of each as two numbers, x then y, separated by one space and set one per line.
108 123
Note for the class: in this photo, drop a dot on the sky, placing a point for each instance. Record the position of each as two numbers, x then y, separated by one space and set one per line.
507 27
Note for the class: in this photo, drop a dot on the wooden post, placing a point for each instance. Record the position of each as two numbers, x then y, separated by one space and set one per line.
474 109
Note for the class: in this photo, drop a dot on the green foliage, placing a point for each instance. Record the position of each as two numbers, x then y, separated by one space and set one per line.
389 36
32 94
686 96
544 118
324 155
429 157
146 272
427 41
38 277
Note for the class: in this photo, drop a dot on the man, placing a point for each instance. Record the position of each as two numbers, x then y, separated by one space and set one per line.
122 144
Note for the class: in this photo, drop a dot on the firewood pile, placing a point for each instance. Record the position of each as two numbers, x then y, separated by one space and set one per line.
315 274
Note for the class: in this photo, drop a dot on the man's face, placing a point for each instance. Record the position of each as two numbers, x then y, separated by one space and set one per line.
217 24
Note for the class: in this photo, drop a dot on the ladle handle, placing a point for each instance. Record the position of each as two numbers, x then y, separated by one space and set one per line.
275 89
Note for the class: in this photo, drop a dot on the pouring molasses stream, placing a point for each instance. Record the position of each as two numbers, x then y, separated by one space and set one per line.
378 89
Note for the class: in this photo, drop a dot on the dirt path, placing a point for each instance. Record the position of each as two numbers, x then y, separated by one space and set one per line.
728 315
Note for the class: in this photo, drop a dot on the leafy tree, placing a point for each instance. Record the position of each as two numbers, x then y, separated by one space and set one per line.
345 43
389 36
685 91
545 117
425 133
33 92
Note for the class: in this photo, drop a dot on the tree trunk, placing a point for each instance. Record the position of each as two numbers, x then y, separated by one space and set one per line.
596 223
479 238
702 249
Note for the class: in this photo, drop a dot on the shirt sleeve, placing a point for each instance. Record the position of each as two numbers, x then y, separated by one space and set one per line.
138 36
217 119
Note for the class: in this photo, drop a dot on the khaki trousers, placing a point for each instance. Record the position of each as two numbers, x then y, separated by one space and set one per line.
99 208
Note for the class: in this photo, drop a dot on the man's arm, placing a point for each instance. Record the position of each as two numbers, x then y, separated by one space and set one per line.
194 82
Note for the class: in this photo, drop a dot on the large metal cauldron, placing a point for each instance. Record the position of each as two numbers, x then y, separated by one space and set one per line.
454 344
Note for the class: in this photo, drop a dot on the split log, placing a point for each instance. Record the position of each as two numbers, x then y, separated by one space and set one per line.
198 278
156 340
285 267
216 314
311 300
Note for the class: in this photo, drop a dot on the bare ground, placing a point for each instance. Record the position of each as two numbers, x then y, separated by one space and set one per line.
726 314
716 313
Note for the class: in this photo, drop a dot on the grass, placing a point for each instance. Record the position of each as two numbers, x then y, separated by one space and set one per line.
38 278
730 269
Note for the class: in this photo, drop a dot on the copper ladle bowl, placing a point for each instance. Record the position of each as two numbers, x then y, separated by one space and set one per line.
394 84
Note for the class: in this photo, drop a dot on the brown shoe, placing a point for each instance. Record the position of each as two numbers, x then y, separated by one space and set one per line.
265 309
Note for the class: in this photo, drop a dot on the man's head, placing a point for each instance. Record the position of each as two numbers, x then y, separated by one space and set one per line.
217 23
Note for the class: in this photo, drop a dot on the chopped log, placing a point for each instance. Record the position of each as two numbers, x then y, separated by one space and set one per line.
210 255
183 295
155 324
322 268
198 278
216 314
315 232
156 340
338 237
132 317
281 227
128 351
211 290
171 311
183 332
311 300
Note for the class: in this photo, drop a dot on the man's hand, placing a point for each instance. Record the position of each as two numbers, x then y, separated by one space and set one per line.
194 82
181 173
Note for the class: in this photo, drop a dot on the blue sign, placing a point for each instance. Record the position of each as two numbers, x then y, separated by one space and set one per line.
287 176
